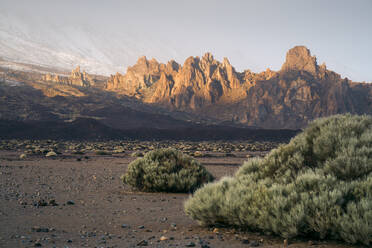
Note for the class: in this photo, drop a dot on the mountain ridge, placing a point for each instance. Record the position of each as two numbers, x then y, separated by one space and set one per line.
300 91
201 91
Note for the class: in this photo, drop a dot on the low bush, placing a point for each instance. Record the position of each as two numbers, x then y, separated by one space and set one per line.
166 170
319 186
136 154
102 153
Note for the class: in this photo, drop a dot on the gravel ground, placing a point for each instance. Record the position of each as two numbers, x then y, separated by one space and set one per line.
62 202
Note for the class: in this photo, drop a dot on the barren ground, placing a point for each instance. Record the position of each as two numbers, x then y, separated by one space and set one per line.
96 210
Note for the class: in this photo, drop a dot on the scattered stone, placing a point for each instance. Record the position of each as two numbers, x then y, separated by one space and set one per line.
245 241
163 238
70 202
39 229
22 156
191 244
141 227
41 203
51 154
143 243
125 226
204 244
254 243
52 202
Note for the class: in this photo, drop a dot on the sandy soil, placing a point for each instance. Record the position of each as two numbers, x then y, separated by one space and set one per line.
94 209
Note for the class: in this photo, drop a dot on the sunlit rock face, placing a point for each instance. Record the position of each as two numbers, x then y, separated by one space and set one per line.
300 59
301 91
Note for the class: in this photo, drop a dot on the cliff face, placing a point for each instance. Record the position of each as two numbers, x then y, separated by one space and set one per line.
301 91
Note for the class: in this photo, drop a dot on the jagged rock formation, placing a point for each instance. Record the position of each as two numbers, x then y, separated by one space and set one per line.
76 77
301 91
197 83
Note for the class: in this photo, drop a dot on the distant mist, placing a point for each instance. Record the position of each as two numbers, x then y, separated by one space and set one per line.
108 36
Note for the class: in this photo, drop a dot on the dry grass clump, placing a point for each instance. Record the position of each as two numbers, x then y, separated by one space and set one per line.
319 186
166 170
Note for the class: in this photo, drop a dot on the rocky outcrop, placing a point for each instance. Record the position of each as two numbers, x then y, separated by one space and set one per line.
300 59
301 91
199 82
76 78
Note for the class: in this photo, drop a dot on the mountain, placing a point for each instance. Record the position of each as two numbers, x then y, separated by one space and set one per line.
289 98
203 98
35 105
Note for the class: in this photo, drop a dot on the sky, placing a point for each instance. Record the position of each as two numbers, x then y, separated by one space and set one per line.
252 34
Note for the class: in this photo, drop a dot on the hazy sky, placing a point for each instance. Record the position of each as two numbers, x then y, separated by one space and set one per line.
252 34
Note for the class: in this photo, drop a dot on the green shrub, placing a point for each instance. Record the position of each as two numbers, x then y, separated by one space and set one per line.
319 186
136 154
166 170
102 153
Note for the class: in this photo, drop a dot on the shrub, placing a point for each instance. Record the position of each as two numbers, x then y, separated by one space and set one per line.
102 153
136 154
319 185
166 170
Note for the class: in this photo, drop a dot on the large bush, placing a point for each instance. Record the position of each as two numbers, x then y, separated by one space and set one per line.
319 186
166 170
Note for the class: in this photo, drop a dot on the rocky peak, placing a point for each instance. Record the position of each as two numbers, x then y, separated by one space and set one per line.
76 72
299 59
208 57
76 77
172 66
226 62
191 61
142 60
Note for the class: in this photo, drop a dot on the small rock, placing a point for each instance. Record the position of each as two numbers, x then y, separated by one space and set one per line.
39 229
124 226
163 238
143 243
41 203
191 244
52 202
254 243
70 202
245 241
22 156
204 244
37 244
51 154
141 227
